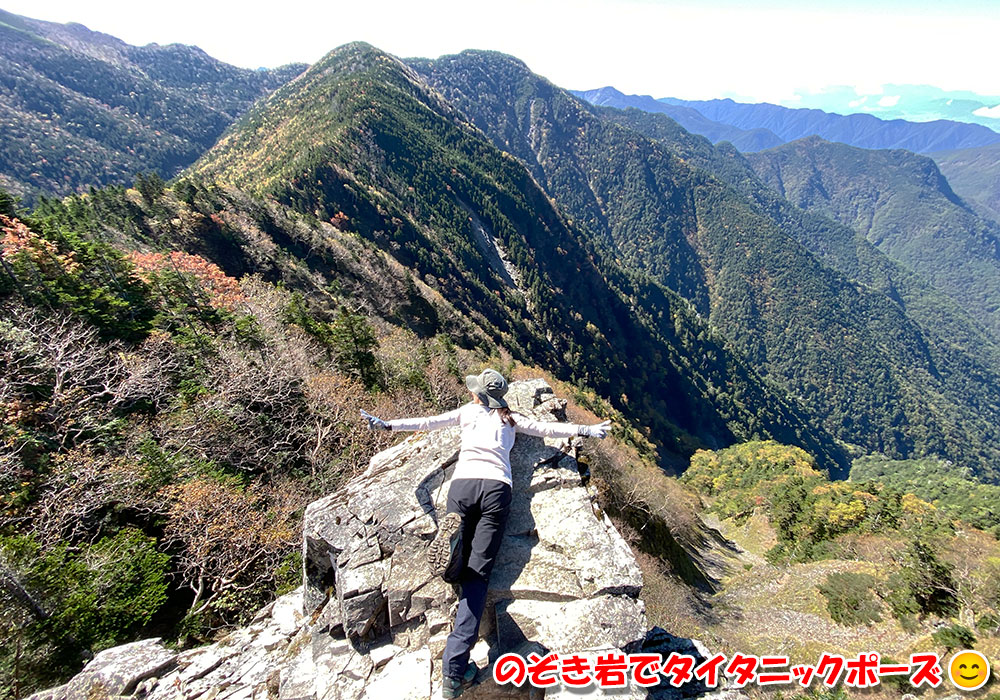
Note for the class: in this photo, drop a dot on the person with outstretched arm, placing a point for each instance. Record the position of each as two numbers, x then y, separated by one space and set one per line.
468 538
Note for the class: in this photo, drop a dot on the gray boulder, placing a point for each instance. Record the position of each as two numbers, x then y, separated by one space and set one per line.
364 545
564 578
115 672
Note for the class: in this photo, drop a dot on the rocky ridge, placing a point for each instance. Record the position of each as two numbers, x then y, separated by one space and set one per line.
370 621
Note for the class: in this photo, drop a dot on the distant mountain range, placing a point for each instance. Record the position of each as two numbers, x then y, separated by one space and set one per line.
915 103
763 125
81 108
688 117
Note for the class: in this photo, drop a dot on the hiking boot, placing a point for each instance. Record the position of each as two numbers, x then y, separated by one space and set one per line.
453 687
445 553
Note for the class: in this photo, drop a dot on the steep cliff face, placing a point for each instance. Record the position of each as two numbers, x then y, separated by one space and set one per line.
370 621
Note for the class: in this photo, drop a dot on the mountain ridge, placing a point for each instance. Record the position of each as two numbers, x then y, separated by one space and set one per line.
79 108
362 113
789 123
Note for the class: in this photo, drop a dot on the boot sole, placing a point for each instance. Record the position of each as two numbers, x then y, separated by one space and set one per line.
444 548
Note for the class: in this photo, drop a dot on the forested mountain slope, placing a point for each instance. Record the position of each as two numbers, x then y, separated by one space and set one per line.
849 353
81 108
360 137
952 330
903 204
974 175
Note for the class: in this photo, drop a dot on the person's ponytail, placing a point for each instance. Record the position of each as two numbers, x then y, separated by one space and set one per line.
506 416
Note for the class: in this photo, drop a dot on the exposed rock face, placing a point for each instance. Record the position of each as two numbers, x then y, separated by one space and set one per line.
370 621
555 551
116 671
564 579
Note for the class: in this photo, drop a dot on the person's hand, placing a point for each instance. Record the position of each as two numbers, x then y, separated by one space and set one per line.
598 431
375 423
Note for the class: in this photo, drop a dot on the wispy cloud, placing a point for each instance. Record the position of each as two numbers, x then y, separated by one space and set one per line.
991 112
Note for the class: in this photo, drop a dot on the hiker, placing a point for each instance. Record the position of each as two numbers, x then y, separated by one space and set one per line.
469 535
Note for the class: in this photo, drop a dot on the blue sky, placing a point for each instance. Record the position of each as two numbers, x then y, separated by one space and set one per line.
701 49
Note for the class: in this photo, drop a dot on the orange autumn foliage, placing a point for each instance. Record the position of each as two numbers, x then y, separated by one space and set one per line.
223 291
18 238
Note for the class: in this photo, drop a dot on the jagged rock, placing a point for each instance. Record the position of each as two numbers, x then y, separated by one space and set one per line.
559 692
367 540
370 621
115 671
564 579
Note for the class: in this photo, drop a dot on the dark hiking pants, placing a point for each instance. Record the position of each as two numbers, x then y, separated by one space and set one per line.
484 505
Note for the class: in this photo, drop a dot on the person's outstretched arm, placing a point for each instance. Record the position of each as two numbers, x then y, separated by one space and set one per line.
526 425
425 423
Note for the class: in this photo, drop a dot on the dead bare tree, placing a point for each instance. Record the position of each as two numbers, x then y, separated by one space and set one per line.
60 365
229 540
332 402
148 373
81 487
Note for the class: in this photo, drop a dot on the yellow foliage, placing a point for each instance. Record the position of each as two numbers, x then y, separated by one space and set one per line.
916 506
719 482
846 515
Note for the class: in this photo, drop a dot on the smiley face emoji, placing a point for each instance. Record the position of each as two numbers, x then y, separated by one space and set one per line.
969 670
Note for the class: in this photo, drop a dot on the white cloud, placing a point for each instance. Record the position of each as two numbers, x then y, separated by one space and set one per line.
858 102
888 101
991 112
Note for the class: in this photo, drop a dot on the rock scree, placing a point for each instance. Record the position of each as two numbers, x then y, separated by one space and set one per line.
370 620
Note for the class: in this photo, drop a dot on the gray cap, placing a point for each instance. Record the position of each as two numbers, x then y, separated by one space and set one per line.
489 386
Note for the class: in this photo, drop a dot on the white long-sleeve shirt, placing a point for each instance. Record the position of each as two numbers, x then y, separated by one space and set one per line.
486 440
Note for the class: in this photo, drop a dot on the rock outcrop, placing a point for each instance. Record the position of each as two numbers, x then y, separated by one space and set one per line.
370 621
564 579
